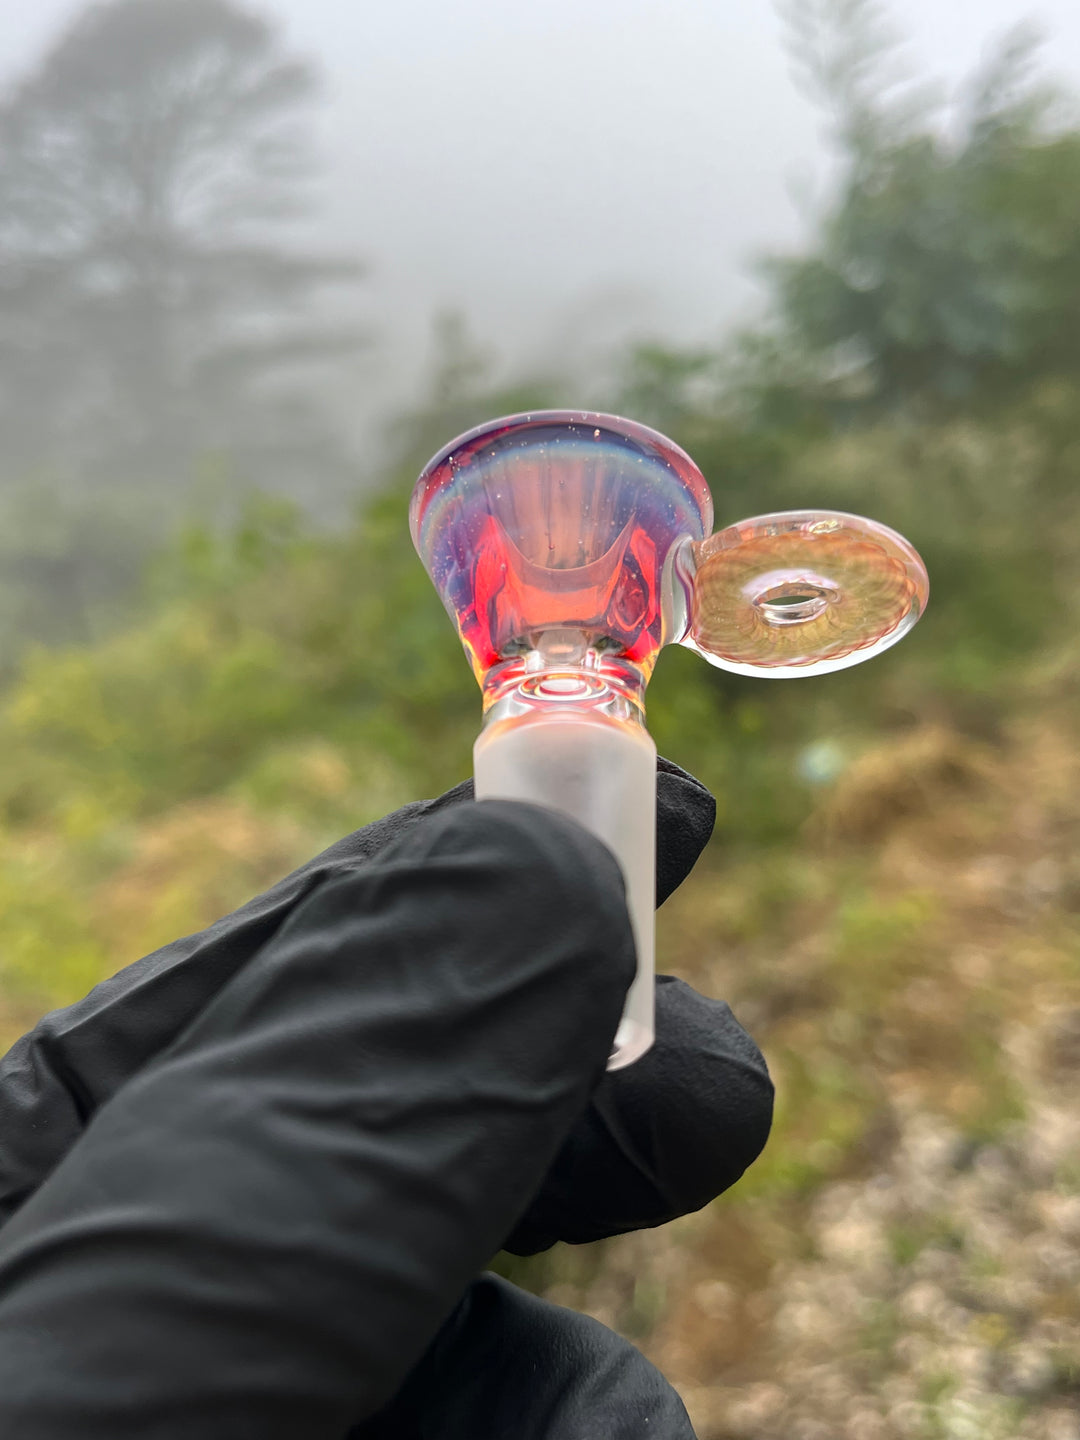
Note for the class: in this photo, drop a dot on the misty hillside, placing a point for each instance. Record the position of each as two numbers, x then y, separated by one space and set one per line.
219 653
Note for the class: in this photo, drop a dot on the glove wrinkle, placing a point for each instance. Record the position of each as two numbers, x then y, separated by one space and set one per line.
55 1078
162 1063
509 1366
661 1138
262 1231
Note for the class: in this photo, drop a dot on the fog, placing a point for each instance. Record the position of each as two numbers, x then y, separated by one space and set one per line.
221 370
566 175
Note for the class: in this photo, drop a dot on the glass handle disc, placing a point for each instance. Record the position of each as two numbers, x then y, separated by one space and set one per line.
802 593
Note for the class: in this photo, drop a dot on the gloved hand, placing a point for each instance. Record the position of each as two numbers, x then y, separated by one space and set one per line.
247 1184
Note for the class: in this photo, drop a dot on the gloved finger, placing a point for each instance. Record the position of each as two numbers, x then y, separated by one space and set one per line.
264 1229
55 1078
507 1366
662 1137
685 816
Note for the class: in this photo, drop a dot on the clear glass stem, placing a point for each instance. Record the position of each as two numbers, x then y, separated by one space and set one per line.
602 772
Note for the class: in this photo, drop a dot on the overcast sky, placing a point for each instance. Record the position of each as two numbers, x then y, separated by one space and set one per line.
565 171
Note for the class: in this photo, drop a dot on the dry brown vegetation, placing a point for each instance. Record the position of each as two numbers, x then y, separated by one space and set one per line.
904 1260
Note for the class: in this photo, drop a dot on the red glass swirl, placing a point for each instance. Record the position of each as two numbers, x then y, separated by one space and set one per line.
559 519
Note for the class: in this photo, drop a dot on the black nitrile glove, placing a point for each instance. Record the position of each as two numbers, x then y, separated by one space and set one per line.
246 1185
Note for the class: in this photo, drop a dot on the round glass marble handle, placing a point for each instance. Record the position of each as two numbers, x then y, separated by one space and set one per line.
802 592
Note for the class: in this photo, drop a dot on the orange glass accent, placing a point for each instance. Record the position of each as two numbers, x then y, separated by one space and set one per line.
803 592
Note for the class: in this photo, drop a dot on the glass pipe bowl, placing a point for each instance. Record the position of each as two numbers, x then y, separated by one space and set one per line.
560 523
592 531
568 547
802 592
549 539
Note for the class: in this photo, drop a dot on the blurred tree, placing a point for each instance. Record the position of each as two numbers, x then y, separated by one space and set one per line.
949 267
64 561
666 388
156 298
463 388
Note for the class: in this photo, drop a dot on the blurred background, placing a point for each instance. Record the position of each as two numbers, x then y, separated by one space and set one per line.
257 264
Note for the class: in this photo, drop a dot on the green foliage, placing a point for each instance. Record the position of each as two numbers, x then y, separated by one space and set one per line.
69 560
264 636
49 952
282 685
824 1109
948 271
